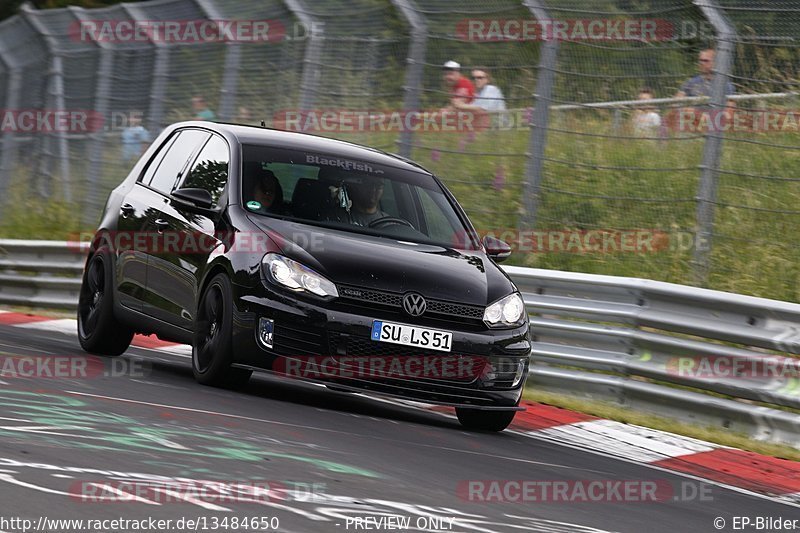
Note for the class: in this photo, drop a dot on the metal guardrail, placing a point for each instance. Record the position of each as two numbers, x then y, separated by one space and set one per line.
708 357
703 356
45 274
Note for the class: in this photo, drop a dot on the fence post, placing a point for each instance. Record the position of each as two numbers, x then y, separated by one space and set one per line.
233 58
91 198
712 149
416 64
155 115
8 148
312 54
56 93
540 119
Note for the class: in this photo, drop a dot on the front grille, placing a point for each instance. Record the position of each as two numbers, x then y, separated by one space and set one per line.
372 296
294 341
375 298
453 309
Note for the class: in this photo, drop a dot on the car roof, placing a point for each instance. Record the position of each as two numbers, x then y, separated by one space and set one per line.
304 141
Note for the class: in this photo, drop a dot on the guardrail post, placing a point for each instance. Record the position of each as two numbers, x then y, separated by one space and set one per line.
415 66
56 93
8 149
311 58
233 59
712 150
92 200
155 115
540 119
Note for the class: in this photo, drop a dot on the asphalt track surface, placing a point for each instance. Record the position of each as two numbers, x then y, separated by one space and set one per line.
329 458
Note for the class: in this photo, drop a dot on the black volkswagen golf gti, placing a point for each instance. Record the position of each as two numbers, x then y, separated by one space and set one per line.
311 258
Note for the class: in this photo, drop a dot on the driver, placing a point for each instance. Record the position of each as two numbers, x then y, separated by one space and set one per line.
366 195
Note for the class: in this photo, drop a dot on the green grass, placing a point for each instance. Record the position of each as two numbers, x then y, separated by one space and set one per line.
627 416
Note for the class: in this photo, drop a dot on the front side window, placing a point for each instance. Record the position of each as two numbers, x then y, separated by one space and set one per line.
352 195
210 169
170 168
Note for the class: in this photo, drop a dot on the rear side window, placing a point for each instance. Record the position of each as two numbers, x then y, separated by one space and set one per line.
174 162
210 169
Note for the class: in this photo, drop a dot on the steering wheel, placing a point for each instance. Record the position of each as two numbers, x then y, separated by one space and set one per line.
385 221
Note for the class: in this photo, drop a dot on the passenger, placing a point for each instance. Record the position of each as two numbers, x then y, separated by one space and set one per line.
268 193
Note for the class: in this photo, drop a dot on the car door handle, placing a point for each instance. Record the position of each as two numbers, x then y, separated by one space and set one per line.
161 224
127 210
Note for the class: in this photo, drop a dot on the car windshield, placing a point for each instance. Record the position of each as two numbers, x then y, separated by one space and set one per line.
353 195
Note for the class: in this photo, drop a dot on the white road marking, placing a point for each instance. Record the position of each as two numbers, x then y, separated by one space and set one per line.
634 442
67 326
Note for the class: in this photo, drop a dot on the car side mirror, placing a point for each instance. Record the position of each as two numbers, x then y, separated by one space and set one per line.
496 249
195 196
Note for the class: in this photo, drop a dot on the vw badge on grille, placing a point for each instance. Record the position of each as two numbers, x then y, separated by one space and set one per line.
414 304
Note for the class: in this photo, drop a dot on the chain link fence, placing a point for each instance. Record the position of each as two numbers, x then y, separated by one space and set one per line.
620 149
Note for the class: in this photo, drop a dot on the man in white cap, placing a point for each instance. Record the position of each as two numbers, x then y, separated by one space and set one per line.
462 91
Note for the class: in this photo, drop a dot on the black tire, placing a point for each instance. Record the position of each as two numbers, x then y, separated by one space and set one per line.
99 331
481 420
212 348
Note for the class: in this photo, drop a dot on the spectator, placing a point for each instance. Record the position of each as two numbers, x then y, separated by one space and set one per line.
244 116
646 120
461 89
700 85
488 97
201 109
135 138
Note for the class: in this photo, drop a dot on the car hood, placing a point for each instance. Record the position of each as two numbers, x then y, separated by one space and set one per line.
383 263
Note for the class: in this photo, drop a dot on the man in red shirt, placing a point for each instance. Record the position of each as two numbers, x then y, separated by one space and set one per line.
462 91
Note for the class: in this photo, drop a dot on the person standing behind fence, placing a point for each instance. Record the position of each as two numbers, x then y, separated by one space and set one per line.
201 109
646 120
488 97
462 91
701 85
134 138
488 106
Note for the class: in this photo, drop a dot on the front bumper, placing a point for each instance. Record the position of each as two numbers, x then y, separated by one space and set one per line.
323 342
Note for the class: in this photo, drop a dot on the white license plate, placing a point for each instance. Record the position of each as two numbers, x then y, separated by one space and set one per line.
411 336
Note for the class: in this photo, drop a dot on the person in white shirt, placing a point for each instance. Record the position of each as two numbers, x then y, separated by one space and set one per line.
646 120
489 99
487 96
